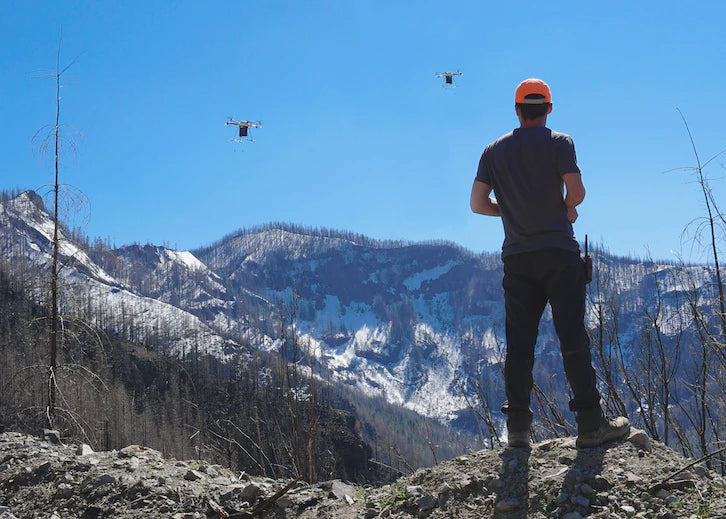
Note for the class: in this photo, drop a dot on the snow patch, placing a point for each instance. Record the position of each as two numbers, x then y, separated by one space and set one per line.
414 282
187 259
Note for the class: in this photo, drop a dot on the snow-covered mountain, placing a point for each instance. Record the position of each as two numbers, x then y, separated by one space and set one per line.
88 290
387 317
416 323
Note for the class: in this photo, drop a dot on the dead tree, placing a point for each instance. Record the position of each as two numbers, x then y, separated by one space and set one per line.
708 380
53 137
65 332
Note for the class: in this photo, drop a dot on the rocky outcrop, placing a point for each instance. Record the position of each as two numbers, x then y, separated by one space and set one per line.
636 478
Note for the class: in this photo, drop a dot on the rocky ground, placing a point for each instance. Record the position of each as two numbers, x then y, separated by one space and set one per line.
43 478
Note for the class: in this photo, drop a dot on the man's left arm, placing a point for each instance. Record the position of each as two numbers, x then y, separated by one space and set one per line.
575 194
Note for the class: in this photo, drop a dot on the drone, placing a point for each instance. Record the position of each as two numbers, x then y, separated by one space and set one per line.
449 78
244 127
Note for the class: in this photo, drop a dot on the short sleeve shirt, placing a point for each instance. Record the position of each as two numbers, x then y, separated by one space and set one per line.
525 168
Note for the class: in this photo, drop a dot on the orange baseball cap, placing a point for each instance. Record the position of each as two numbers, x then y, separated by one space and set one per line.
532 86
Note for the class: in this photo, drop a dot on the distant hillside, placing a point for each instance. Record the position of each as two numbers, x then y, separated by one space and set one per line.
419 325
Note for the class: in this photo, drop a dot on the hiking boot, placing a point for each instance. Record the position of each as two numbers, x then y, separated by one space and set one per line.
518 440
609 430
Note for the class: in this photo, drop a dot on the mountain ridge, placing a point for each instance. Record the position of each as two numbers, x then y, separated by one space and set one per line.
417 323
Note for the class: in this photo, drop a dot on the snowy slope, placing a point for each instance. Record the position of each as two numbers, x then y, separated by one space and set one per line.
26 232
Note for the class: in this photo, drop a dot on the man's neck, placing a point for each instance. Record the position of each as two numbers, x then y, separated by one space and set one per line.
533 123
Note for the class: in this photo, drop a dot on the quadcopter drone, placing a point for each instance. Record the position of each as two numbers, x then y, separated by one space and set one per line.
244 127
449 78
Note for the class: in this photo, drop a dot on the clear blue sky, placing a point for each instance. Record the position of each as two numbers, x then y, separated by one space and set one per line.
357 132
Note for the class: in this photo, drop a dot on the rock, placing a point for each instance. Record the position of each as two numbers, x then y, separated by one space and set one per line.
632 479
230 492
581 501
250 492
700 470
92 512
133 464
600 483
51 436
43 469
557 473
575 475
662 494
445 488
413 491
640 439
5 513
84 450
566 459
140 452
686 474
569 443
572 515
193 475
64 490
342 490
679 484
216 508
420 475
92 484
426 502
586 489
546 445
601 499
507 505
212 471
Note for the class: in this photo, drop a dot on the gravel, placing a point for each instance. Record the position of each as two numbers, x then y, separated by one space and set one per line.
628 479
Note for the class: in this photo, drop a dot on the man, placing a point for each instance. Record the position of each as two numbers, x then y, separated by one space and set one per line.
534 173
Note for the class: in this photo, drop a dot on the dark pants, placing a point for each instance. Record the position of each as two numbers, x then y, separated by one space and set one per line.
532 279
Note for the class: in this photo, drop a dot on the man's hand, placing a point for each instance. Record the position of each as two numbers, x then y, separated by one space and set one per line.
572 214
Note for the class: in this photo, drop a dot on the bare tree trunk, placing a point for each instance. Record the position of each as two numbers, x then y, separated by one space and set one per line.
52 364
259 440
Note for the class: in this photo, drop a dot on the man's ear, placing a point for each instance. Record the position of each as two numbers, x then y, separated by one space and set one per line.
549 110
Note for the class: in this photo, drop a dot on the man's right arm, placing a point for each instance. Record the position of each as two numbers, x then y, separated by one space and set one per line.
480 202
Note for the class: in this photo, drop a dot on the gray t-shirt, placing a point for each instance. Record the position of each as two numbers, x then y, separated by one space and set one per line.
525 168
